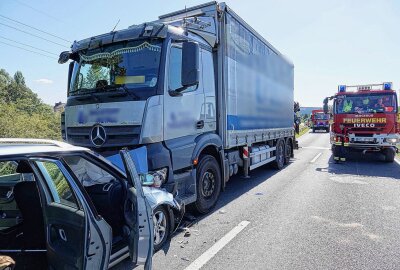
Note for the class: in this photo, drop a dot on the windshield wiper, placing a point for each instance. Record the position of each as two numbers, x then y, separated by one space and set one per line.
119 88
84 92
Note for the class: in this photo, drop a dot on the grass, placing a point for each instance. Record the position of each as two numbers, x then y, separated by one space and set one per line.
303 130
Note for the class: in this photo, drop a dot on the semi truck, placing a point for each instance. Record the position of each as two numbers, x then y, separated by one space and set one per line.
364 120
319 120
199 88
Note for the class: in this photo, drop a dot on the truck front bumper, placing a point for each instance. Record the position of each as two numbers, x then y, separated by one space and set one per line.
376 142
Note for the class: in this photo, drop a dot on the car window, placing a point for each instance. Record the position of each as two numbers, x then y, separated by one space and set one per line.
8 167
10 215
87 172
58 184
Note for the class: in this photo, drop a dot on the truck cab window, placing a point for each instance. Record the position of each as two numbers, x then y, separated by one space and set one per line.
175 69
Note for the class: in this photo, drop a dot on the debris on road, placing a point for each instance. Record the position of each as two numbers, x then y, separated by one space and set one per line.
222 211
187 232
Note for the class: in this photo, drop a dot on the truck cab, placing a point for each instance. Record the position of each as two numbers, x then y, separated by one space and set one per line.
365 119
319 120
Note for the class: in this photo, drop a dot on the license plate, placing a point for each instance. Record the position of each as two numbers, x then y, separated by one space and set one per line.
364 139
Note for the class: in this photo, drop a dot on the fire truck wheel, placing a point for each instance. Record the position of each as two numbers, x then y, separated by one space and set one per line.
208 184
279 162
389 154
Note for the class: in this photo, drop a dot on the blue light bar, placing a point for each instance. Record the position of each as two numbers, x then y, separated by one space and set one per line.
342 88
387 86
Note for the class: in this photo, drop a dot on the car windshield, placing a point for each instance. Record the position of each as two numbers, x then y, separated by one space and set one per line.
367 103
134 65
321 116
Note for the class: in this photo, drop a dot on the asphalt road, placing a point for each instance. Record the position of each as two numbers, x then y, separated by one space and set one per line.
313 214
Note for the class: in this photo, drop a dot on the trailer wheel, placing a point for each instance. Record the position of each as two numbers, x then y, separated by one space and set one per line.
389 155
208 184
288 151
279 162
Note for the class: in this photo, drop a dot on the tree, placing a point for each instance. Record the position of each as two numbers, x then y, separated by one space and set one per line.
22 112
19 78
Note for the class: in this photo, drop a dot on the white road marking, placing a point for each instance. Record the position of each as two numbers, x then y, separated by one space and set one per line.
315 147
214 249
397 161
315 158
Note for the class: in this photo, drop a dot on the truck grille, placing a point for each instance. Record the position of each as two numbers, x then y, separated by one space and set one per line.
117 136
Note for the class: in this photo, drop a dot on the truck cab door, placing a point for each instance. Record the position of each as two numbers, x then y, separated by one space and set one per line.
74 238
138 216
184 117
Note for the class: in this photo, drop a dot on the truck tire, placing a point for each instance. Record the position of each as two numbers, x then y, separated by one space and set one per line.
279 162
313 130
288 151
208 184
327 130
389 155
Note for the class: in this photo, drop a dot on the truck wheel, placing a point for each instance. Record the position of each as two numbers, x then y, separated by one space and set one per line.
162 226
389 155
327 130
313 130
279 162
288 151
208 184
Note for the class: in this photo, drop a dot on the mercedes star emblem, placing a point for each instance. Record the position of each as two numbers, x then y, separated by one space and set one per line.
98 135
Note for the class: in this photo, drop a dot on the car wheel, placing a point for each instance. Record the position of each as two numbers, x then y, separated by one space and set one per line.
288 151
162 226
208 184
280 155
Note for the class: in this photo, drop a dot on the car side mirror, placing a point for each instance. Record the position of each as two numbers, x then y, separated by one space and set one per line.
190 64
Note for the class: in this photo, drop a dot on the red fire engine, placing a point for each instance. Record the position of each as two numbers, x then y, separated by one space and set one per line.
364 119
319 120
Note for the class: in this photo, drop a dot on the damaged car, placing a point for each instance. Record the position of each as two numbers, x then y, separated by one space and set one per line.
63 206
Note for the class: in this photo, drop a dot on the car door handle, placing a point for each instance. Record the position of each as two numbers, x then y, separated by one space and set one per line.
62 234
200 124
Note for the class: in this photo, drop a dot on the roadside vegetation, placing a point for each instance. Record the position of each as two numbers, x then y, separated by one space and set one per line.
303 130
22 113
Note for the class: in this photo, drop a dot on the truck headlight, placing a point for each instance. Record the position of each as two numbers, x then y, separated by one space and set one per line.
391 140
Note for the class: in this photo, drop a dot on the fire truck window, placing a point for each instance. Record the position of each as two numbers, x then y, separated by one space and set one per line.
366 104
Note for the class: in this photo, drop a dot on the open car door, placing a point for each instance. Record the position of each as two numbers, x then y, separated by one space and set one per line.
138 216
75 239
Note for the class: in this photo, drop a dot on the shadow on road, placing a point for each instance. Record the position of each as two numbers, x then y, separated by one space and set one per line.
370 164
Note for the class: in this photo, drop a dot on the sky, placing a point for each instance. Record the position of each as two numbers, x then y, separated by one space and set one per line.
329 42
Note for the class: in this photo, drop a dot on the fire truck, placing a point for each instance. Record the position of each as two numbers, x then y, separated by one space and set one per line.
319 120
364 120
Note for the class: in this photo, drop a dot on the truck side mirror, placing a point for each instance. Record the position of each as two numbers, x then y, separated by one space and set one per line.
70 69
190 64
326 109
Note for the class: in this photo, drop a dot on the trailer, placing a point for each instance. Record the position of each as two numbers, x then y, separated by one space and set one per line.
199 88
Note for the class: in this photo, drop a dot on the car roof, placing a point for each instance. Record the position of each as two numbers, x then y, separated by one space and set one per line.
11 147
